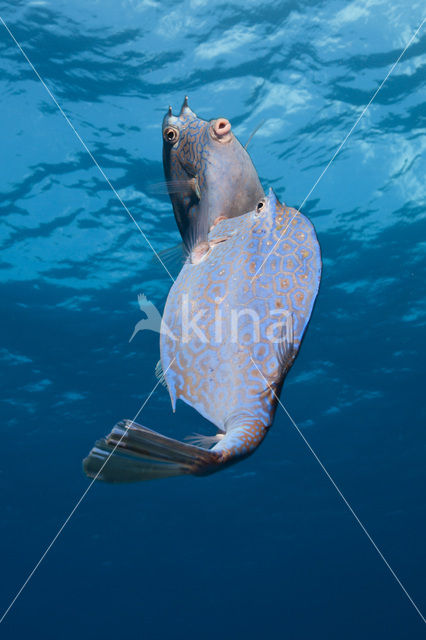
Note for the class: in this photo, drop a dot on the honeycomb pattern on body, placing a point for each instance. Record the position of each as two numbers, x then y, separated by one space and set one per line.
264 276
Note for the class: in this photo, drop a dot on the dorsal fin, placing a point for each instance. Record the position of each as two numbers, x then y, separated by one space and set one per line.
206 442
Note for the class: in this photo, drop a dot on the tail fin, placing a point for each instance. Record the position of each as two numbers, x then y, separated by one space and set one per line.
132 453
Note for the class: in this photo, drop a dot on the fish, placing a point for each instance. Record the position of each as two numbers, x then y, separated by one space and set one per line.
231 329
209 174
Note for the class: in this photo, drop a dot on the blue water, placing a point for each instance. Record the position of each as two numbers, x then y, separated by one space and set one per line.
266 549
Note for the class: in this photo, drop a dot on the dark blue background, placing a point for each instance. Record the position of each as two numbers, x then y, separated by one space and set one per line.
267 548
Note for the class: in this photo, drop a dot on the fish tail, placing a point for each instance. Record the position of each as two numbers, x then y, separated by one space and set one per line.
244 434
132 453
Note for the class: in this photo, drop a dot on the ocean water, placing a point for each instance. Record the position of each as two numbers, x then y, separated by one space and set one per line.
267 548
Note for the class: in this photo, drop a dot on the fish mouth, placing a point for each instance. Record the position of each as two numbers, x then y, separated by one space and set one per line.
220 130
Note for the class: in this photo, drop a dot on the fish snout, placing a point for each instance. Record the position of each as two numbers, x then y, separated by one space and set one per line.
221 130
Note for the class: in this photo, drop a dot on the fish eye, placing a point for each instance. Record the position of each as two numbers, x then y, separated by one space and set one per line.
260 207
171 134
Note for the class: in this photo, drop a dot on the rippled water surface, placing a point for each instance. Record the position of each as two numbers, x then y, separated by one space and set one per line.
266 549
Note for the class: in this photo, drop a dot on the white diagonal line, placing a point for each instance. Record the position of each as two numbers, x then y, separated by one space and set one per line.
78 503
339 148
343 497
95 162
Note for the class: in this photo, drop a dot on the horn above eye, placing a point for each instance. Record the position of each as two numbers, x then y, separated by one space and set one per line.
185 105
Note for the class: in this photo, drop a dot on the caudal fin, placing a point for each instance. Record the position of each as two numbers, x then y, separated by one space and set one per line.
132 453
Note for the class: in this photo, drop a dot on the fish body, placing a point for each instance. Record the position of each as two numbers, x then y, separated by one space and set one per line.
236 314
236 320
209 173
231 329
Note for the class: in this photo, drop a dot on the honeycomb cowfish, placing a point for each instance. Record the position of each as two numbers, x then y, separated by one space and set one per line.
209 174
232 326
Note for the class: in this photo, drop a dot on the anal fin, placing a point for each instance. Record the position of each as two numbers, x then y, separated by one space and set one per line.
159 373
